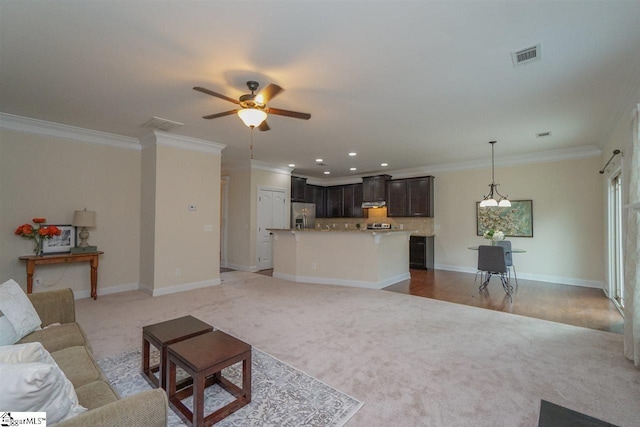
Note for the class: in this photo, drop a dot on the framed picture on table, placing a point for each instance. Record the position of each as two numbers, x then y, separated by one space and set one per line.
60 244
514 221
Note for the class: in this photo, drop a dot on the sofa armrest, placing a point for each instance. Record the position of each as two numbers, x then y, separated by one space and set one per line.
54 306
146 409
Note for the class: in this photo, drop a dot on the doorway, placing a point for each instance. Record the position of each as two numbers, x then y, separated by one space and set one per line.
616 256
271 214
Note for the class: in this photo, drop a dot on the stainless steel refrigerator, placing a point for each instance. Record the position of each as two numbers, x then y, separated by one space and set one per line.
303 215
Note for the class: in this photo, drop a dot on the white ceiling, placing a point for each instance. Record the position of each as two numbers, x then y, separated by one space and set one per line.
410 83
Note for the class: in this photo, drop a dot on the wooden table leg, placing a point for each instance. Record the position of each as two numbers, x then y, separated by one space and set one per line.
198 400
31 266
246 377
94 277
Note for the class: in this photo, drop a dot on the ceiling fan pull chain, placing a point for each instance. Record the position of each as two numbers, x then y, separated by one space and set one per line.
251 144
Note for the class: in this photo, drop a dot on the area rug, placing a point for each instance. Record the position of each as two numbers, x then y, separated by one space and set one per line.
281 395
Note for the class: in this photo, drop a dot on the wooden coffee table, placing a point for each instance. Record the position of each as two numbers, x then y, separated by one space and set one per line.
163 334
203 358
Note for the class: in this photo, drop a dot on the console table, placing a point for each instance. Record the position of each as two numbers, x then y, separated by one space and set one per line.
92 258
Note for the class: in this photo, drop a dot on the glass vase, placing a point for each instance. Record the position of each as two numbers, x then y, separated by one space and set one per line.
37 250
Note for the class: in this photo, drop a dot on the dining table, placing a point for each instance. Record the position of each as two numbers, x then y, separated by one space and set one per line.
513 250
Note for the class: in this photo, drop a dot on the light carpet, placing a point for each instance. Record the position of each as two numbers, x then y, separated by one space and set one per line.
281 395
411 360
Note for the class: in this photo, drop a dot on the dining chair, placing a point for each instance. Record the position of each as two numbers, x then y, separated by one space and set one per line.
508 256
492 261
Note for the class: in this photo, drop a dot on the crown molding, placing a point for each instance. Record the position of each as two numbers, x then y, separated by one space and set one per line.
525 159
179 141
257 164
57 130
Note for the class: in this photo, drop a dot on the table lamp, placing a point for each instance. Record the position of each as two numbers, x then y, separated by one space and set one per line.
85 219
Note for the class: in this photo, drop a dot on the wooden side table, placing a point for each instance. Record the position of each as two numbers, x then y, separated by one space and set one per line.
163 334
92 258
203 358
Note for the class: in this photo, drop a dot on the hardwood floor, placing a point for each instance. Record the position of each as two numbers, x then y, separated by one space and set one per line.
572 305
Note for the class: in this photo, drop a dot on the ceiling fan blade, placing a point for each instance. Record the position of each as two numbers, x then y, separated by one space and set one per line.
215 116
269 92
217 95
294 114
264 126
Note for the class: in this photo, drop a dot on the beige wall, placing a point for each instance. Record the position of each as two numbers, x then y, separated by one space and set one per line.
244 182
148 217
568 220
52 177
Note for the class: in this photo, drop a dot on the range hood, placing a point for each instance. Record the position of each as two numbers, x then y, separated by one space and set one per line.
373 204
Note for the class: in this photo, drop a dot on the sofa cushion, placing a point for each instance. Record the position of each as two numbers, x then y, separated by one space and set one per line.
57 337
96 394
18 309
78 365
33 382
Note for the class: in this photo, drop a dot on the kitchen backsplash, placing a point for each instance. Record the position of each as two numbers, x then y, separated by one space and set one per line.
422 226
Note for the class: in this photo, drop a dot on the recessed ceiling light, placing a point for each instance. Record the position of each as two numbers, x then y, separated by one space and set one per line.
352 154
327 172
384 164
352 169
319 160
291 165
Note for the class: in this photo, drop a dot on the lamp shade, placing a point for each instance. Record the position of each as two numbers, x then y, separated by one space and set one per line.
84 218
252 117
504 203
488 203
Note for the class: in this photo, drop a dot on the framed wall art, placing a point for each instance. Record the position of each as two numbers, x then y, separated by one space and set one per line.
515 221
62 243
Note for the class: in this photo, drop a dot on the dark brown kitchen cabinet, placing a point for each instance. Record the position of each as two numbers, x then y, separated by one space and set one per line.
410 197
334 202
420 196
397 198
344 201
421 252
352 201
316 194
298 189
374 188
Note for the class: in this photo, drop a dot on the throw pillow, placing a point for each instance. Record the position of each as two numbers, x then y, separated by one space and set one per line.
33 382
25 353
7 333
16 306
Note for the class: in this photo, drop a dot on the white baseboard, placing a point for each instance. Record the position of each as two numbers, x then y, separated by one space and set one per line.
537 277
343 282
248 268
184 287
106 291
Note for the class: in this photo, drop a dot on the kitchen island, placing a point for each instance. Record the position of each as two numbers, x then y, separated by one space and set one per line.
368 259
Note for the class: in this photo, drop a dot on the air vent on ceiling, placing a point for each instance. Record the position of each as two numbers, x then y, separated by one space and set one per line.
161 124
543 134
525 56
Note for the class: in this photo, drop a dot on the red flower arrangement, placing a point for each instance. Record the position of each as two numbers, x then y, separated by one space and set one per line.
38 233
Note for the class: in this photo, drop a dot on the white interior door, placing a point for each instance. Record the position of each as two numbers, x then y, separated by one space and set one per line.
271 214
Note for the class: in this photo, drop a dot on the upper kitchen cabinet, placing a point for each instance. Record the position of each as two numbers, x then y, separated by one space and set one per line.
316 194
352 201
410 197
374 188
298 189
344 201
397 198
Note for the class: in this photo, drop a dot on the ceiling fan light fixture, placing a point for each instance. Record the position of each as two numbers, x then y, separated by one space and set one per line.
252 117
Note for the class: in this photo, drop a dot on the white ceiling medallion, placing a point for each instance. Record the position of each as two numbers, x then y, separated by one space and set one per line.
527 55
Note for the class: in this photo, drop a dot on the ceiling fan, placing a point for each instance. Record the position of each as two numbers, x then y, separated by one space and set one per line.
253 107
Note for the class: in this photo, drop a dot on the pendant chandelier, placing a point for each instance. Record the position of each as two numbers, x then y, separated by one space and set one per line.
490 199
